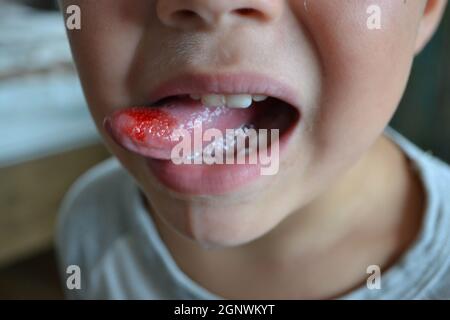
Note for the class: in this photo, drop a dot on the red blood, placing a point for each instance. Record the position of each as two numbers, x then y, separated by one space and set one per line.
148 121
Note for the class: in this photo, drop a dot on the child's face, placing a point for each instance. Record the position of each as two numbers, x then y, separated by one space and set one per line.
343 80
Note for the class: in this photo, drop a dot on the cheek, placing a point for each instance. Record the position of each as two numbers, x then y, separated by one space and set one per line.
104 48
364 71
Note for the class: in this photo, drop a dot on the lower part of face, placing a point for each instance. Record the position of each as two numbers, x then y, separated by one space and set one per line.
347 78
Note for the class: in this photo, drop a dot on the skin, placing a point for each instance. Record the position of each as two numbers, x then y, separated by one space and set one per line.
345 195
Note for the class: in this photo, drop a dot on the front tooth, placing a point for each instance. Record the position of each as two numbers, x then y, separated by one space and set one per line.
241 101
213 100
259 98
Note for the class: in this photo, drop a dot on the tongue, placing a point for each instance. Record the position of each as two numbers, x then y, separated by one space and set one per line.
149 131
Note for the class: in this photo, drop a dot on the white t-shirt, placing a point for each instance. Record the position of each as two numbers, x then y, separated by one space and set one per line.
106 231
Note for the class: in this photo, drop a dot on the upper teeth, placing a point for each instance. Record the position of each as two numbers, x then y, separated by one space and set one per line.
239 101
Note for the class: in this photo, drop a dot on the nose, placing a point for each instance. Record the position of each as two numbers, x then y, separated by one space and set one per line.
192 14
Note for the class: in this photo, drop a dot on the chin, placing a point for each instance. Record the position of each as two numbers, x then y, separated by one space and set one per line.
222 240
213 230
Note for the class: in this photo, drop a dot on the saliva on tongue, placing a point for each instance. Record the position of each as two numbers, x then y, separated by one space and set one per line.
148 131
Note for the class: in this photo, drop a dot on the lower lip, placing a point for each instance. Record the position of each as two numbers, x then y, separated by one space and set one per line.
204 179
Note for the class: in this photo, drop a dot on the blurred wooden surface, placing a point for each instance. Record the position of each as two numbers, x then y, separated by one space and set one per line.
30 198
33 278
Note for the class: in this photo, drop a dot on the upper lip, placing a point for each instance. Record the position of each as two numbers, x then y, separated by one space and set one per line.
202 83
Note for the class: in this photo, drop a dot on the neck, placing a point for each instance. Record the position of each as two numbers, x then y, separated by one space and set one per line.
359 221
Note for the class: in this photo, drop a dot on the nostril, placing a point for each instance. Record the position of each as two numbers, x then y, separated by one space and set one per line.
185 14
249 12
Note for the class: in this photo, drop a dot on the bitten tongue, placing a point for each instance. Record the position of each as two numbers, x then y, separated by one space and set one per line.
148 131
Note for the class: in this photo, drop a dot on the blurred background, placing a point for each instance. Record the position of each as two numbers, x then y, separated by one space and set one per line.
39 160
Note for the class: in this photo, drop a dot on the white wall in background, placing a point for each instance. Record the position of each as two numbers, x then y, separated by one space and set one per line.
42 108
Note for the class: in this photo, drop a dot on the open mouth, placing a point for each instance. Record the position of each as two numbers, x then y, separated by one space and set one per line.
150 130
228 106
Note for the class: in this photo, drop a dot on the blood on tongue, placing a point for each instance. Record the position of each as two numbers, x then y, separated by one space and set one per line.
148 121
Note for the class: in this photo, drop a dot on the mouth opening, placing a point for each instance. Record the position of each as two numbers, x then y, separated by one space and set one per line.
272 113
148 130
